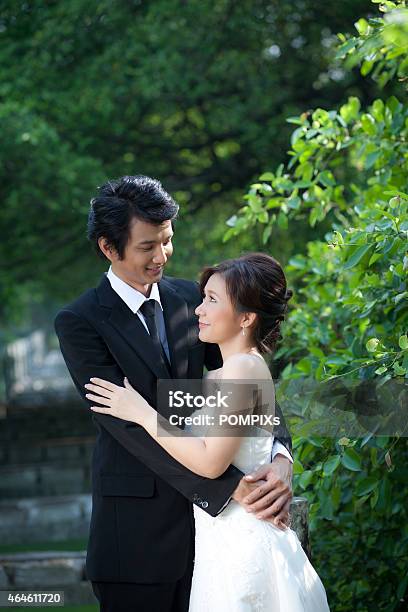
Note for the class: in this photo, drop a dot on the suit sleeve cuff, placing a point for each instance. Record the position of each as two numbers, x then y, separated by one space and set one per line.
224 506
279 448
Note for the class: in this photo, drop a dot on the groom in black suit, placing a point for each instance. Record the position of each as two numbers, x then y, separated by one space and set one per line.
141 325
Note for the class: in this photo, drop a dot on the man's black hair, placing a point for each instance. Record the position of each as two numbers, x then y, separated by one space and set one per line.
119 201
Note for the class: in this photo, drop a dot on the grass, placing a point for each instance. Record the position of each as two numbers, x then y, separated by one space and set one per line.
65 545
65 608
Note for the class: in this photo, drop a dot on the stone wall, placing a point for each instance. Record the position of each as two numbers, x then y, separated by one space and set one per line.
35 372
45 519
66 570
56 571
45 451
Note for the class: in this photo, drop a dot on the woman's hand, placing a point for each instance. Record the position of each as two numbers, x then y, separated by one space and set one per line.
121 402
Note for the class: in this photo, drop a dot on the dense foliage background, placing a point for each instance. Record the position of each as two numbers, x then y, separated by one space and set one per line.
205 96
347 330
195 93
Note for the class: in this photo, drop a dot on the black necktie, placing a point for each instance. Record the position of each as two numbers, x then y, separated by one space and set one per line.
148 310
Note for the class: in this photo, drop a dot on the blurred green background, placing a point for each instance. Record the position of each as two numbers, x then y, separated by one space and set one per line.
197 94
194 93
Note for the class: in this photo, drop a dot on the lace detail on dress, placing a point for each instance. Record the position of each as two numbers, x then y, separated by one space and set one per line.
243 564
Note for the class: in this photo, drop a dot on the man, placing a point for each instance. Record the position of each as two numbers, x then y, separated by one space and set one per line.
141 325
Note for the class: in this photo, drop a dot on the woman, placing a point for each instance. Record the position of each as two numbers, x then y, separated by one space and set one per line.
241 563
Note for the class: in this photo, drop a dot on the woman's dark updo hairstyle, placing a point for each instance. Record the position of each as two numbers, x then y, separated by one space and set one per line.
255 282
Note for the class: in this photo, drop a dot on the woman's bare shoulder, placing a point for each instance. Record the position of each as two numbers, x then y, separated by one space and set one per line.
245 365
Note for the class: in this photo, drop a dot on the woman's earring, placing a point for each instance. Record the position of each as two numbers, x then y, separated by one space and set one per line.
243 331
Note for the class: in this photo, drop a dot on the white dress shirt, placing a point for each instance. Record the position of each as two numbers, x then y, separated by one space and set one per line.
134 299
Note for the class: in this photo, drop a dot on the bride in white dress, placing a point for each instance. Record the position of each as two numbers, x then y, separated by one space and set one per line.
242 564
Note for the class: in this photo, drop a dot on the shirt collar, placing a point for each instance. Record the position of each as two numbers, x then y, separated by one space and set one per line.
131 296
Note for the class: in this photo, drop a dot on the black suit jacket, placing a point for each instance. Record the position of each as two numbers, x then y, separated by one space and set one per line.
142 524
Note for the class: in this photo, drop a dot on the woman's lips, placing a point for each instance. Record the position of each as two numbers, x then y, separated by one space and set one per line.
202 325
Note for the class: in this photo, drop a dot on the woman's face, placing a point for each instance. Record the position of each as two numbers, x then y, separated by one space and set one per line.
218 320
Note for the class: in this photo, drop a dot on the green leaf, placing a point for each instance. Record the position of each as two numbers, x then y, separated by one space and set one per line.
315 350
306 478
263 217
381 370
377 110
399 370
361 26
403 342
282 221
375 257
336 496
228 235
294 202
326 508
295 120
372 344
316 442
231 222
331 465
393 104
305 171
326 178
374 498
274 203
351 460
304 365
296 135
384 500
371 159
402 587
302 184
367 485
266 234
297 467
346 48
394 202
366 439
349 111
401 296
357 256
366 67
395 192
368 124
358 503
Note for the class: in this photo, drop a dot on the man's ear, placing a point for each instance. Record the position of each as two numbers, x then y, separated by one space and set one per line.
107 249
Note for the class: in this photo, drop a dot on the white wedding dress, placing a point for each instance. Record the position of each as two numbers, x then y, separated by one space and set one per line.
243 564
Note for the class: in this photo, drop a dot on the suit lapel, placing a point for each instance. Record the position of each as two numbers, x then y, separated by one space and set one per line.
130 327
175 313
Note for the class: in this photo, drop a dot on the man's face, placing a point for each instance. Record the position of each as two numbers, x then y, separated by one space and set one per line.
146 253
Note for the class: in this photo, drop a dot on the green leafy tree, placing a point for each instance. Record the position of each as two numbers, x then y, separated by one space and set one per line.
348 175
193 93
